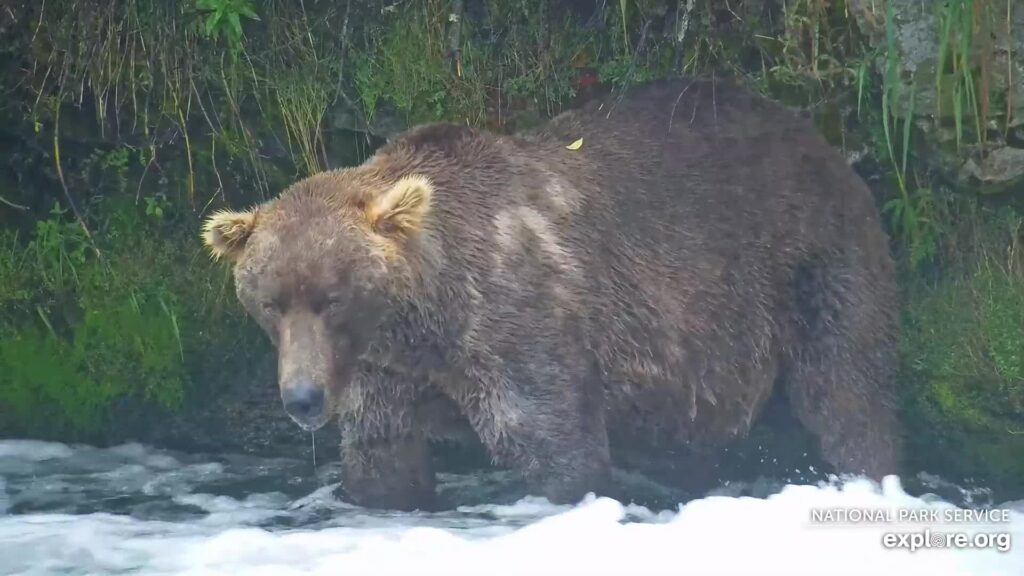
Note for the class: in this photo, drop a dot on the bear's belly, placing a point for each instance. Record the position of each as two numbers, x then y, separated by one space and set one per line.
704 404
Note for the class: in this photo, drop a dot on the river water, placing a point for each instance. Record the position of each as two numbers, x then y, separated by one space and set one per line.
131 509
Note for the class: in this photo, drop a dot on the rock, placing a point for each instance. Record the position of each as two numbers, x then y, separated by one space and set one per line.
999 167
917 39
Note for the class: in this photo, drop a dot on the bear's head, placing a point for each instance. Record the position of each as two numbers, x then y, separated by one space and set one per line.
319 268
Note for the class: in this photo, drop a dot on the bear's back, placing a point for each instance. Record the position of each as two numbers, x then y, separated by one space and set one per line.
699 203
672 233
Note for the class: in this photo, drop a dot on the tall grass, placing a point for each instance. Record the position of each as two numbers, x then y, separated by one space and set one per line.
960 20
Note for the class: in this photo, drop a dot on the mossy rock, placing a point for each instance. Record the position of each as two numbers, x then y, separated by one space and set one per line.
962 357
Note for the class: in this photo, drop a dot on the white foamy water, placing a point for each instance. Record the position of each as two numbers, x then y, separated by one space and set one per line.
134 510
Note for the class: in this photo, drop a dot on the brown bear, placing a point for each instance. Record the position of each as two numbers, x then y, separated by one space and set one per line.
645 268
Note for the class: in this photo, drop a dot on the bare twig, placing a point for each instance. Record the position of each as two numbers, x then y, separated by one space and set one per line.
42 10
676 105
12 204
213 139
138 190
63 183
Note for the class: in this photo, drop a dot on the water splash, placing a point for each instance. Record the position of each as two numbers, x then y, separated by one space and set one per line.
133 510
312 443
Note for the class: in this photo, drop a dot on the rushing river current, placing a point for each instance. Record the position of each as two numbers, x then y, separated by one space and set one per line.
135 510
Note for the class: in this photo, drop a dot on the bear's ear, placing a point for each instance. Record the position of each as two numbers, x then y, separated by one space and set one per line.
225 232
402 209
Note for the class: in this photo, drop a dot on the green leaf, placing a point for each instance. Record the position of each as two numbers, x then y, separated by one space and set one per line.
248 12
211 22
236 25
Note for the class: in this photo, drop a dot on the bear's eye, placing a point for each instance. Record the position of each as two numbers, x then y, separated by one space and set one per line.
271 307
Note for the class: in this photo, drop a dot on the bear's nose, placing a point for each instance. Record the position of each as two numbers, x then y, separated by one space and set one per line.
303 401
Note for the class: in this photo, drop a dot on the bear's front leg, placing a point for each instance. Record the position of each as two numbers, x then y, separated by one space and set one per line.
394 473
561 449
549 426
531 388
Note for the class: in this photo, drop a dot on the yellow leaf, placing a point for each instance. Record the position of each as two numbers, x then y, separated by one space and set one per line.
575 145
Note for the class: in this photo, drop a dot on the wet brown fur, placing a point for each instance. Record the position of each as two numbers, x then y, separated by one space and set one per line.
650 287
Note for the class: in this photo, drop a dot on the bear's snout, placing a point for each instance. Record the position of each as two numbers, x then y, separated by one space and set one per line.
304 402
304 364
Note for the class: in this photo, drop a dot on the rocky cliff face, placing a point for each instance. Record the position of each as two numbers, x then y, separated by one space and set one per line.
952 59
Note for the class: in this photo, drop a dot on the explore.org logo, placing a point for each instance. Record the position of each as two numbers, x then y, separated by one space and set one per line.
927 527
927 538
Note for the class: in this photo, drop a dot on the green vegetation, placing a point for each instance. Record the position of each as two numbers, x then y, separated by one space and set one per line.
963 359
123 125
86 335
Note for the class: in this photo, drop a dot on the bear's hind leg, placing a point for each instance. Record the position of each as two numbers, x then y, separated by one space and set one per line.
841 371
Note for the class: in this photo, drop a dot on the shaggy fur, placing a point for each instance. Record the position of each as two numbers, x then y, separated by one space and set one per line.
650 287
